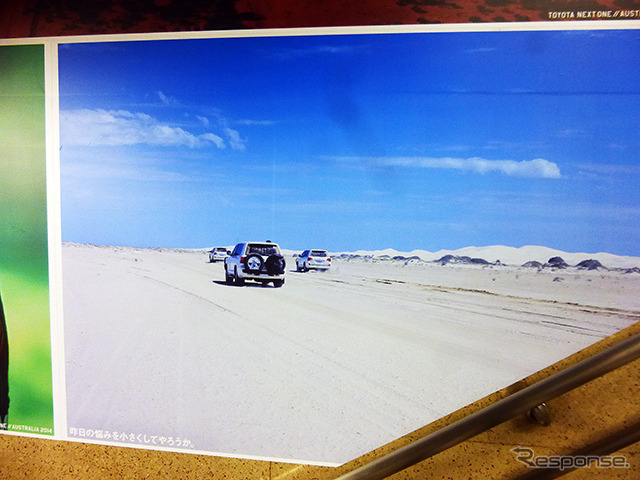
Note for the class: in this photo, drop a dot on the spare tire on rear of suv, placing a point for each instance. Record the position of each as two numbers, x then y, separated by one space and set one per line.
275 264
253 262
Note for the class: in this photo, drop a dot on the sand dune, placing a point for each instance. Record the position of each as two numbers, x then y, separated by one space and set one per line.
512 256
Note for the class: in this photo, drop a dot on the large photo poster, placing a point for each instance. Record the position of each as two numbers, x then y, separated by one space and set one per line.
300 245
303 246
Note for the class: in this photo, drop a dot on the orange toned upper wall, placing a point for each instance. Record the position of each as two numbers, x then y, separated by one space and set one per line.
34 18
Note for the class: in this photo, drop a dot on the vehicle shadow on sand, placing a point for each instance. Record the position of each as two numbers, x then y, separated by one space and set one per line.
247 284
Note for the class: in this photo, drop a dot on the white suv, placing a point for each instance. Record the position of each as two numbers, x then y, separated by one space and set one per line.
218 254
258 261
313 259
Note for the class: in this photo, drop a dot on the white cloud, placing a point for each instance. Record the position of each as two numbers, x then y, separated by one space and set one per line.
167 100
537 168
293 53
571 133
260 123
611 170
121 127
218 141
474 51
203 120
236 142
102 171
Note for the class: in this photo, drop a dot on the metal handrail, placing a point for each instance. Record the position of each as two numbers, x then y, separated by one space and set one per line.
501 411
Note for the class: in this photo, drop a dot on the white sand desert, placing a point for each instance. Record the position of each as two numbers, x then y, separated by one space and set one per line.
160 352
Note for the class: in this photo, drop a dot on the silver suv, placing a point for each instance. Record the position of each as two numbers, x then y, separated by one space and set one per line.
313 259
258 261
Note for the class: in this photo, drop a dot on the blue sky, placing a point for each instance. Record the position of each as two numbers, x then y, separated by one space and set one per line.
407 141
